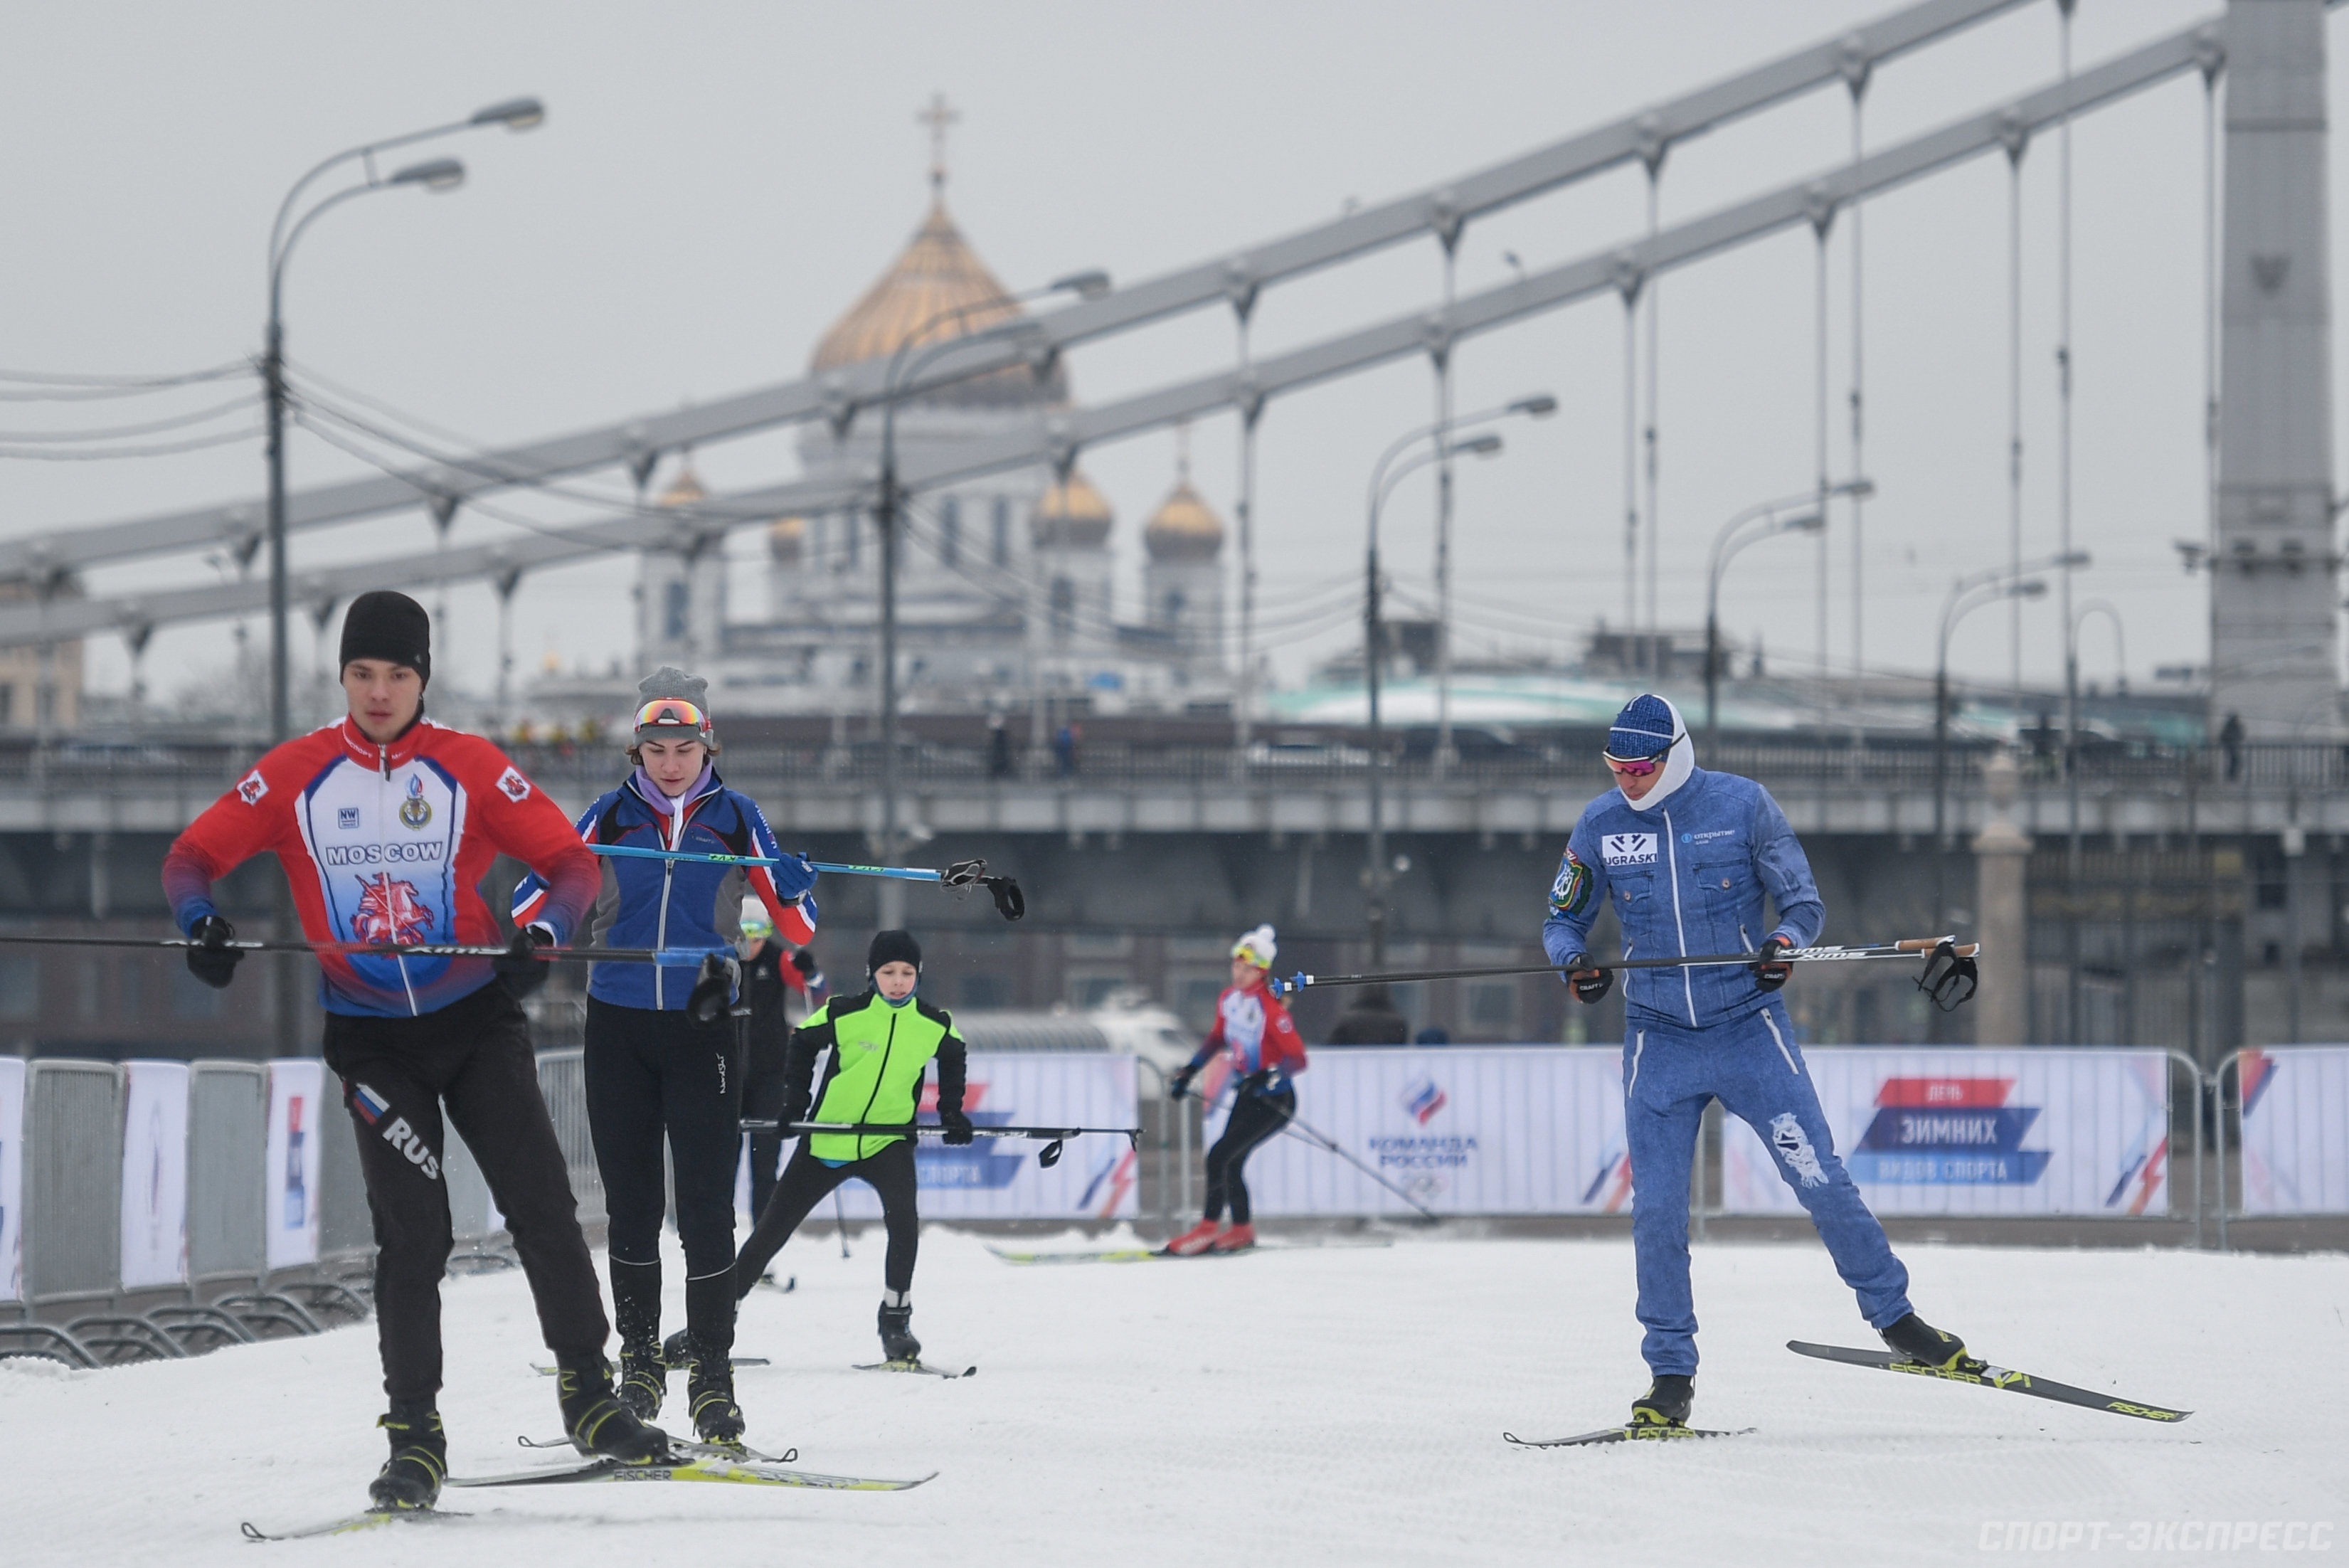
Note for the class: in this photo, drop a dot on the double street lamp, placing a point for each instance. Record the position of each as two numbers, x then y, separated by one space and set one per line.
1794 514
905 366
1967 594
1384 477
435 174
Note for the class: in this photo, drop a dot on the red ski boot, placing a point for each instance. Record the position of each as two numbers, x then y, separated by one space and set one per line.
1195 1240
1238 1238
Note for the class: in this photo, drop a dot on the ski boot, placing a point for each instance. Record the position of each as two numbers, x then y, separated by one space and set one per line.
1198 1239
643 1388
1665 1405
411 1477
717 1419
595 1421
897 1341
1238 1238
1920 1341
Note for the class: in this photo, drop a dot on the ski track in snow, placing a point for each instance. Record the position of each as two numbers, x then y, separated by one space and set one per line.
1335 1405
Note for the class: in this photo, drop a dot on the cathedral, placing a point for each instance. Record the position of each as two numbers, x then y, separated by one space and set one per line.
1007 585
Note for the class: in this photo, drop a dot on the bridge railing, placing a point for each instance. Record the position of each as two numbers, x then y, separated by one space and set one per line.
1339 759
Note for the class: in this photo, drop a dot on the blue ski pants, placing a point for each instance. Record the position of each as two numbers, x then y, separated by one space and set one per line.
1753 1066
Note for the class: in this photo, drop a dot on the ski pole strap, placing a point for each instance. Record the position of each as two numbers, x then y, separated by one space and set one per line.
1909 947
1009 902
666 957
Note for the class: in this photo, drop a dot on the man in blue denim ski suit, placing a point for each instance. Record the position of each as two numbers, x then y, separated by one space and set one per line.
1685 857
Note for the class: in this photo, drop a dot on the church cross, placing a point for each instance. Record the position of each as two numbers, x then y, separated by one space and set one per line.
938 116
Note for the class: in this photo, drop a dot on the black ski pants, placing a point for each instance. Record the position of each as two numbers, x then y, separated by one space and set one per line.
806 1181
473 1056
1254 1119
651 1072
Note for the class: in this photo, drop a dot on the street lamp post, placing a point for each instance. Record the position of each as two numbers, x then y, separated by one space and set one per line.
1967 594
1373 656
1385 476
1725 546
1090 285
438 174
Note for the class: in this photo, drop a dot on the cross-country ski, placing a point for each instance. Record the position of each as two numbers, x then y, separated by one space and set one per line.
1984 1375
917 1367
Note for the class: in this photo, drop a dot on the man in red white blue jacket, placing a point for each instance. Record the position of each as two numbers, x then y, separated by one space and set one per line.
385 824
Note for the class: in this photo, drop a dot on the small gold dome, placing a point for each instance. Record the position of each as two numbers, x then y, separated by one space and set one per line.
786 539
1073 515
937 273
1185 528
684 486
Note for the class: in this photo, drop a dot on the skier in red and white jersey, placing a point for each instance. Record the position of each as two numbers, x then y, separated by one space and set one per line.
385 824
1254 1031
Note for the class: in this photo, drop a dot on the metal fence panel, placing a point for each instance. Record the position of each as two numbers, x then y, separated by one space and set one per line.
2292 1104
12 1178
73 1179
562 1080
345 1225
154 1225
472 1217
228 1109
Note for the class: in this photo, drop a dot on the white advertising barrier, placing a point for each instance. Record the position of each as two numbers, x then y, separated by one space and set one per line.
2044 1131
1487 1129
999 1178
12 1178
154 1174
297 1107
2296 1130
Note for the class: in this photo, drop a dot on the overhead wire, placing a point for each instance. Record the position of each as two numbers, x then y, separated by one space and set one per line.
117 432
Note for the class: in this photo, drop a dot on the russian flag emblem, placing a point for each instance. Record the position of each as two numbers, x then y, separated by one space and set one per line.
370 1103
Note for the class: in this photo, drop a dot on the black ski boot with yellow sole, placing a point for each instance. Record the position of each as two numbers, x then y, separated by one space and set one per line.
897 1341
1666 1404
411 1477
1920 1341
643 1384
595 1419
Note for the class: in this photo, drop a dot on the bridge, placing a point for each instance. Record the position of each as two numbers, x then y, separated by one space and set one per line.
2185 893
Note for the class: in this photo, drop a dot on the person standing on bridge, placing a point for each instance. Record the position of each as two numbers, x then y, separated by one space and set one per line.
664 1056
386 823
1685 858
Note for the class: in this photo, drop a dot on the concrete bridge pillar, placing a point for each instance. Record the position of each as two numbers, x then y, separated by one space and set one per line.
2275 658
2001 1009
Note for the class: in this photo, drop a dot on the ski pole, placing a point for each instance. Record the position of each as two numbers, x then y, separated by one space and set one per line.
666 957
1050 1155
1008 900
1297 1127
840 1220
1909 948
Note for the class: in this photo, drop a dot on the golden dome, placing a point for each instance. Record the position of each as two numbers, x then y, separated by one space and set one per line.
786 539
1074 515
1185 528
937 273
684 486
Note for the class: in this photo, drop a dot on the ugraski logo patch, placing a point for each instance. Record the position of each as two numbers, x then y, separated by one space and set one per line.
1628 849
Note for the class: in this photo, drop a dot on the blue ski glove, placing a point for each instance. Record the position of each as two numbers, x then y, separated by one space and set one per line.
793 875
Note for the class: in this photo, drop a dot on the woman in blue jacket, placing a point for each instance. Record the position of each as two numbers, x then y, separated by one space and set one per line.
664 1057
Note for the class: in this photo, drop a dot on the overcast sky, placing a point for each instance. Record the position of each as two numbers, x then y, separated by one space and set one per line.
715 182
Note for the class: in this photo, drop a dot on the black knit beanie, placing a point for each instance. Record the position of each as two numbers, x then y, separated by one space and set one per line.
385 625
891 946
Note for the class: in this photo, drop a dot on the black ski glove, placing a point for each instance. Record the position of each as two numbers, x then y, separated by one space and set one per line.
958 1127
519 970
804 961
1769 975
713 993
1588 985
215 961
1258 1083
1182 1083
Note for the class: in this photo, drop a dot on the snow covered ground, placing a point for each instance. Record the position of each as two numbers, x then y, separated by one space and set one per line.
1340 1404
